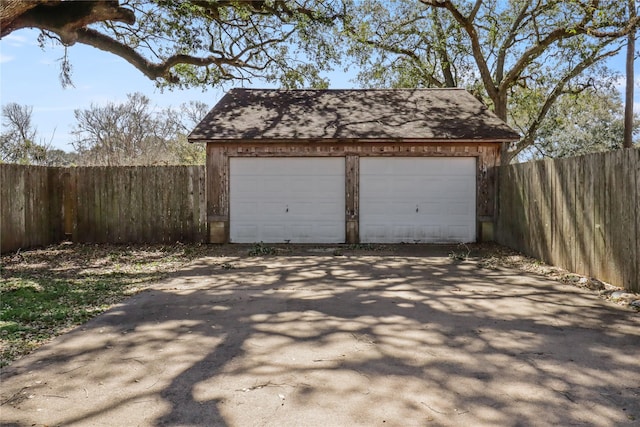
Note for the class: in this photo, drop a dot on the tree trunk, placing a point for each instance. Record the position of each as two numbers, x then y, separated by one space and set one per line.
500 109
628 109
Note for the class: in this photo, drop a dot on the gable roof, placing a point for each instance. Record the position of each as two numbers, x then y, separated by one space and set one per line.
351 114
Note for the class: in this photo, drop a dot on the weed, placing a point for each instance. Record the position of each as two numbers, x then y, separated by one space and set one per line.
261 249
460 254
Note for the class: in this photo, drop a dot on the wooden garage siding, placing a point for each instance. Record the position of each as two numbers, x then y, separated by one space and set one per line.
218 153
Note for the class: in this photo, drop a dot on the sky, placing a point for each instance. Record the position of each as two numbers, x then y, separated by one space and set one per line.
29 76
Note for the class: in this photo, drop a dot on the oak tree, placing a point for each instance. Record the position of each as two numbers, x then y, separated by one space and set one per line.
586 122
191 43
520 56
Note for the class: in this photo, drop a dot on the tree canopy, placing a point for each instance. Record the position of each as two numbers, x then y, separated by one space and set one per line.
136 132
191 43
133 132
520 56
586 122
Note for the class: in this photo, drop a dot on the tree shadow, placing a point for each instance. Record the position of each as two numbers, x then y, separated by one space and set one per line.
371 114
321 340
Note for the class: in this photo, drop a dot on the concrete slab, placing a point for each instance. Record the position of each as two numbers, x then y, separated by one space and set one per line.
321 340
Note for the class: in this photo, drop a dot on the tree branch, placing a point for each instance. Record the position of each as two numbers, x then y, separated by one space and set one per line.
557 35
508 42
65 18
441 50
162 69
476 48
559 89
409 53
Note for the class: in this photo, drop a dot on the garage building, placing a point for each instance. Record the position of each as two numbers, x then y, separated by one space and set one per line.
351 166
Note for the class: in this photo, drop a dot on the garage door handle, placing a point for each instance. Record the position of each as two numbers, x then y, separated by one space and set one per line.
417 208
287 209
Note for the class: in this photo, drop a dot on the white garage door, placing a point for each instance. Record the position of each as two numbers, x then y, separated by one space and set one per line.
417 199
278 200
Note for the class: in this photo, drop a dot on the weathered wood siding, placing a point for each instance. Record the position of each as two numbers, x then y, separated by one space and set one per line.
138 204
218 154
30 207
581 213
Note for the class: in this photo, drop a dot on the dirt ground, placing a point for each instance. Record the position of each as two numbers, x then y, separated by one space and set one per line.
326 336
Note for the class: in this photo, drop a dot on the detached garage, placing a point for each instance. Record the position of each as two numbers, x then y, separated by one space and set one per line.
336 166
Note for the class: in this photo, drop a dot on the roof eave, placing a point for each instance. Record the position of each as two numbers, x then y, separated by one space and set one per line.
354 140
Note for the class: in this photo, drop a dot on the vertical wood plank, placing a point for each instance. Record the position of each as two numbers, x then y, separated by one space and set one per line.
625 224
134 200
631 189
581 233
162 210
588 235
204 228
150 215
635 175
28 191
133 218
599 213
77 179
352 198
548 209
125 201
98 208
614 216
217 194
561 199
183 203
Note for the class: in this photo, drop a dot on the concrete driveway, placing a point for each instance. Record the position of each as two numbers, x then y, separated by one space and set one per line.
321 340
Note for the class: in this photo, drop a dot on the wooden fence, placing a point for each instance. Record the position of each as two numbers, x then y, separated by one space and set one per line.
581 214
30 201
143 204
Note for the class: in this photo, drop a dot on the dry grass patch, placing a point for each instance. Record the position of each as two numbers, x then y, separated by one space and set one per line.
45 292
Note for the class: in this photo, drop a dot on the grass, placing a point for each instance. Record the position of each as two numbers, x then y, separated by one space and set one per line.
46 292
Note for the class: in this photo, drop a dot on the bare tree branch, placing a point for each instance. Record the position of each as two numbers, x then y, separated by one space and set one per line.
558 90
476 47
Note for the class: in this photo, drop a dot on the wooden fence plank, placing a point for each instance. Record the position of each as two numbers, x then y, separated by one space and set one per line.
599 213
13 202
587 237
632 166
140 211
635 166
82 202
613 217
628 259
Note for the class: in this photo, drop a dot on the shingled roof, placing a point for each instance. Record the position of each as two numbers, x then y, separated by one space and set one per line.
345 114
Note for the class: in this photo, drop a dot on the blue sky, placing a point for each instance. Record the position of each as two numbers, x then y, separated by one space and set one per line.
29 75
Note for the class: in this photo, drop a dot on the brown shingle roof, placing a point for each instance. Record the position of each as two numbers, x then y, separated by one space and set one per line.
360 114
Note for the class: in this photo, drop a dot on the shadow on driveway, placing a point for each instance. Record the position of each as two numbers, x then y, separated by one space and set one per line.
328 341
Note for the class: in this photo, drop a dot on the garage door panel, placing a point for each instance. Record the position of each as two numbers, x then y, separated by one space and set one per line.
274 200
457 233
268 233
417 199
458 208
247 231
